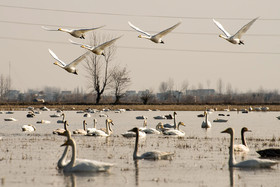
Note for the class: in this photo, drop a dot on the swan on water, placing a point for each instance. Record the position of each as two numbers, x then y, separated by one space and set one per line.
251 163
149 130
141 133
44 121
90 130
81 131
63 119
83 165
206 123
71 67
175 132
157 38
77 33
98 50
152 155
61 131
108 130
242 147
28 128
236 38
270 152
172 125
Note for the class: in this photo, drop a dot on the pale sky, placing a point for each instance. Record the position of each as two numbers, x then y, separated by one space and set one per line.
193 52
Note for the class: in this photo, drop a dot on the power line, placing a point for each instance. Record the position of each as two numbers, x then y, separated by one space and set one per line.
155 49
133 15
126 30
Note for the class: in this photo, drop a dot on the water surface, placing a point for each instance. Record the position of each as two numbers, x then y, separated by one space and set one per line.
201 157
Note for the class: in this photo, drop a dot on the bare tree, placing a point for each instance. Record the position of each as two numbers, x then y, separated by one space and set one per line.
99 68
146 96
120 82
163 87
220 86
5 86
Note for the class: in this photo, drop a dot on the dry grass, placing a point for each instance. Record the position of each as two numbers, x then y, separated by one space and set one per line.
7 107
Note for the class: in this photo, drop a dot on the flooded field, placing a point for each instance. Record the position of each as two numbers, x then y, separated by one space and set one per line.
201 157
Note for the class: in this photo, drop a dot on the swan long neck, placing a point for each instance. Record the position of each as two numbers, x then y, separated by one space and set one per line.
175 124
94 124
63 117
243 138
107 127
61 161
231 161
84 125
136 146
73 158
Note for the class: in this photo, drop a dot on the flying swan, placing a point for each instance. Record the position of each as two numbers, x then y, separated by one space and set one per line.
152 155
98 50
77 33
251 163
157 38
236 38
71 67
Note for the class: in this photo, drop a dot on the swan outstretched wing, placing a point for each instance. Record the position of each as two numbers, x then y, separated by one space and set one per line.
139 30
220 26
244 29
86 30
106 44
48 29
78 60
80 44
166 31
56 58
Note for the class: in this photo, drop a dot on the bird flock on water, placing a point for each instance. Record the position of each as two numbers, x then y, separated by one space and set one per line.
168 129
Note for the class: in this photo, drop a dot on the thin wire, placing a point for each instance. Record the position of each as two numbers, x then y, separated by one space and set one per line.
126 30
156 49
133 15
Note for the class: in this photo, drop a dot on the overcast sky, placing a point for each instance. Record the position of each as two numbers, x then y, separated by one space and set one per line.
193 52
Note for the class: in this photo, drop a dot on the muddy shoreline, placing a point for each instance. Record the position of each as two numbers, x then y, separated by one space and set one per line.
10 107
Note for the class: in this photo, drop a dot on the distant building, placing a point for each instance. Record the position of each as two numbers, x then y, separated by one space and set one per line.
200 92
66 93
130 93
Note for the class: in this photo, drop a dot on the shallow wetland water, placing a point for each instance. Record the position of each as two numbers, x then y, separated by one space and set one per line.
201 157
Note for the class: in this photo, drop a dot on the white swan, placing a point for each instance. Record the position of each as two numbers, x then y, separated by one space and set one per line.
10 119
83 165
175 132
252 163
157 38
44 121
152 155
206 124
236 38
149 130
98 50
71 67
28 128
242 147
61 131
81 131
90 130
108 131
141 133
170 125
63 119
78 33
